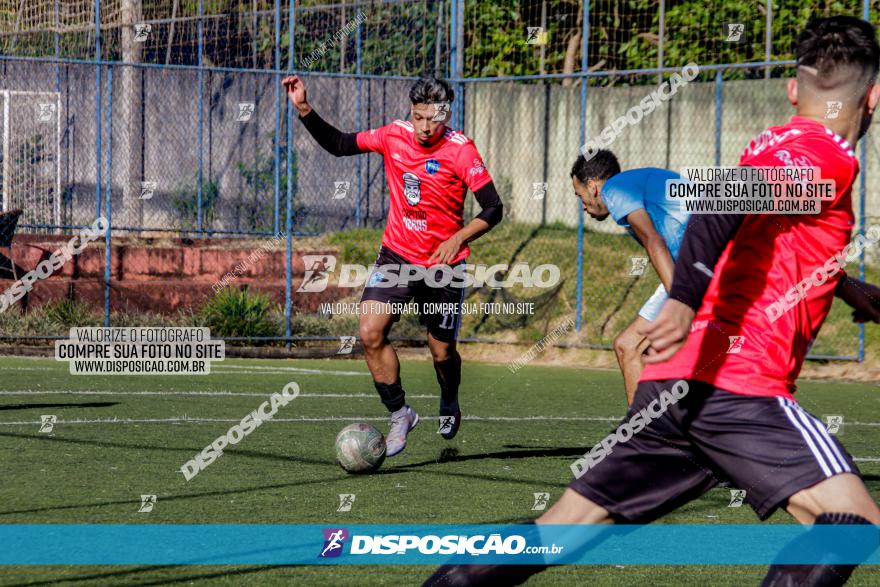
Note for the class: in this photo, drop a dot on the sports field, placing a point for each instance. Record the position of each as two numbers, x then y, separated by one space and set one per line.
118 437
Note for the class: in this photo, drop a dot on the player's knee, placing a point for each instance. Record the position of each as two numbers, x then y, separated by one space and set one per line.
371 337
625 345
441 352
845 493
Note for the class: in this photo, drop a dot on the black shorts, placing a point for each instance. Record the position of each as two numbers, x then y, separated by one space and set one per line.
439 308
768 446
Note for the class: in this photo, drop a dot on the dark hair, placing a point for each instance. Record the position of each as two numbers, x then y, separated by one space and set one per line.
602 165
830 43
430 90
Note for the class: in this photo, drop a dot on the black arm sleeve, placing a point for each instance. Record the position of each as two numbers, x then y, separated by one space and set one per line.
490 202
704 240
329 137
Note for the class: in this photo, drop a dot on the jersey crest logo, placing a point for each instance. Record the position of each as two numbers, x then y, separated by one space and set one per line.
432 166
412 188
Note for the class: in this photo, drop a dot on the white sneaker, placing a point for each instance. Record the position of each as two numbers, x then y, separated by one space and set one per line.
402 421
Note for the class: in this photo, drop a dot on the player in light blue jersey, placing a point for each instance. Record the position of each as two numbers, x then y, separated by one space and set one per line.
636 199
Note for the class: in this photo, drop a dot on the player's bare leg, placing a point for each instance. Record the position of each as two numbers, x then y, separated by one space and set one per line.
447 365
574 508
376 320
844 493
841 500
629 346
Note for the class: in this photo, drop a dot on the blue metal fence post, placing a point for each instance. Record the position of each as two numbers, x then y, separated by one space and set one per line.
719 104
459 64
288 285
201 90
453 38
863 164
277 153
108 199
358 122
585 31
57 49
97 108
359 83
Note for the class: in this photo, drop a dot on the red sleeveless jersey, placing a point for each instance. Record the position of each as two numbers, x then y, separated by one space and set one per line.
733 344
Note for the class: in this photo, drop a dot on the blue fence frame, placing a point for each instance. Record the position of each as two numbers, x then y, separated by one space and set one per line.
455 76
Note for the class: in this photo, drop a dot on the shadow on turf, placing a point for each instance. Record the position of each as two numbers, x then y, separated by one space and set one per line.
451 455
448 454
147 569
59 405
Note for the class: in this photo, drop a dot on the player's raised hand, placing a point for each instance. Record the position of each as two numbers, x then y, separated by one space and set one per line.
668 332
447 251
296 92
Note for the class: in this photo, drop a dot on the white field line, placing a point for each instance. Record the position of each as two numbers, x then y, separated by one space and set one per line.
186 419
193 420
220 368
266 394
28 392
300 370
189 420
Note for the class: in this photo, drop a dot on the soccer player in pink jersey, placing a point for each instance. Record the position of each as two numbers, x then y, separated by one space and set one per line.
429 168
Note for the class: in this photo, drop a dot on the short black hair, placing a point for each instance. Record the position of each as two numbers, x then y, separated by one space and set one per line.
602 165
431 90
827 44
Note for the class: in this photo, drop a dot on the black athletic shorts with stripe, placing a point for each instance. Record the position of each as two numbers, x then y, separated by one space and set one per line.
439 308
769 446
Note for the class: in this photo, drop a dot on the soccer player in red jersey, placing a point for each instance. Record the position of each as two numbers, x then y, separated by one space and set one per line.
716 399
429 168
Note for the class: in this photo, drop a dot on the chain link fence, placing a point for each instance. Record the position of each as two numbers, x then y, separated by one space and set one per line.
172 123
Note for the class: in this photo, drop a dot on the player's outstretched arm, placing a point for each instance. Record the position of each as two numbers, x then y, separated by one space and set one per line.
704 240
864 298
333 141
491 214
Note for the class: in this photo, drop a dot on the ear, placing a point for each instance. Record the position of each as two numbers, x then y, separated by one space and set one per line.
793 92
873 97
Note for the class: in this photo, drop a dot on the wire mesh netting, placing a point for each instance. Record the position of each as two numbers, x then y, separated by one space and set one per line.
182 134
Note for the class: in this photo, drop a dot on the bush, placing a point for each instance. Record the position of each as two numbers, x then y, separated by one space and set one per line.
69 313
185 201
239 313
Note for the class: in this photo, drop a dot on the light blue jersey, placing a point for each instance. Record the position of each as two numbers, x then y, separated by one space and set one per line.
645 188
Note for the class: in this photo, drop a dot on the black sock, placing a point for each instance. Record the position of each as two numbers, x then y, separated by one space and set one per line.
449 377
392 395
488 575
830 574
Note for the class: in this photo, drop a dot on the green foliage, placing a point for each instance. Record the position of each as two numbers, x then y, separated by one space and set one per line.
68 313
185 201
255 205
412 38
358 245
240 312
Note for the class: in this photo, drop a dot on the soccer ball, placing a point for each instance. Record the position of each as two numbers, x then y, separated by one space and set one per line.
360 448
